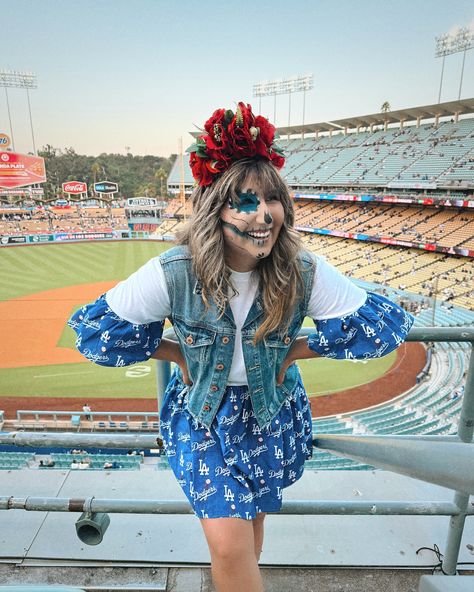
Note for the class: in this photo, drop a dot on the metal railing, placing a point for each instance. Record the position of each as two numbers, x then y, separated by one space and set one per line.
447 461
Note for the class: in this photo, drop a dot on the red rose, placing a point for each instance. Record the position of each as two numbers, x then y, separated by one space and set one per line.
277 160
200 171
241 142
267 130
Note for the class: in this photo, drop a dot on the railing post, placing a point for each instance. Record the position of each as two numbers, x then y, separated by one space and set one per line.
465 433
163 375
163 370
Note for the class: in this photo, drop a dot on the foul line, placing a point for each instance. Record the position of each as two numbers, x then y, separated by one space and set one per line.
61 374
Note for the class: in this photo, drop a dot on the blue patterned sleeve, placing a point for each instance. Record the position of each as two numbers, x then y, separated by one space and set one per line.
378 327
108 340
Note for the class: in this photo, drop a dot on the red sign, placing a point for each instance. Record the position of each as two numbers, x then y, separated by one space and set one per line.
18 170
75 187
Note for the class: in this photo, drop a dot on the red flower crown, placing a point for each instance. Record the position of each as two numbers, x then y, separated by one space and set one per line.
231 137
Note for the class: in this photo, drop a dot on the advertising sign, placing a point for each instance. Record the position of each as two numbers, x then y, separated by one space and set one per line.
12 240
40 238
74 187
141 201
18 170
105 187
4 141
65 236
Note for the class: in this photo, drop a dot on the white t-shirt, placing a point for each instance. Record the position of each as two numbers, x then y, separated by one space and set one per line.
143 298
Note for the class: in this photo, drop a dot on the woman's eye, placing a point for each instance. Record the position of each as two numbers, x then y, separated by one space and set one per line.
271 198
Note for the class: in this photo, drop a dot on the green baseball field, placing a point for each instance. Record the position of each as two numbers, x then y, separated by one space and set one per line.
41 286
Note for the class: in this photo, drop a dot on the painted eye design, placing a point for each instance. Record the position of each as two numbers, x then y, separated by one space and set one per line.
247 199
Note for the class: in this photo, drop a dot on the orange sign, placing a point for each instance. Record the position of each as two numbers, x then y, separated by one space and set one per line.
18 170
4 141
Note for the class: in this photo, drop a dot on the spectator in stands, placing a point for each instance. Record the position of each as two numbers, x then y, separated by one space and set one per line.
237 290
87 410
111 465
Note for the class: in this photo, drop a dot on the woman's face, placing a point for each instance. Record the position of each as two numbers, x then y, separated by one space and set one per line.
250 226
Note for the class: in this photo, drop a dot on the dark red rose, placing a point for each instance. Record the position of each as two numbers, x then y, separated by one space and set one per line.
267 130
199 169
277 160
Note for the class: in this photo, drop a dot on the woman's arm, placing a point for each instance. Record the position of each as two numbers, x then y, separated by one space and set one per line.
298 351
169 351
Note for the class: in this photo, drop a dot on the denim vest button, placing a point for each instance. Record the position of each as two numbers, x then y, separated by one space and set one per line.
225 339
206 408
220 367
214 388
189 340
287 340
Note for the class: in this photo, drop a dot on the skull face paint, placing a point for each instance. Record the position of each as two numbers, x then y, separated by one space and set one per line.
250 226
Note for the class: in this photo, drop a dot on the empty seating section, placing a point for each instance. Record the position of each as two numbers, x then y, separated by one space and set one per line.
175 208
451 227
420 272
14 460
442 155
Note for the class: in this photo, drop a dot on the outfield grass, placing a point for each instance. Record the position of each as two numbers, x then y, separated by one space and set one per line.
27 270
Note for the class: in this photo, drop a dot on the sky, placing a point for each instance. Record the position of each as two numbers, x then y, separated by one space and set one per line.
138 75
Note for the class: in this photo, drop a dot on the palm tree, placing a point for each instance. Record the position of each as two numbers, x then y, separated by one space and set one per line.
385 108
161 174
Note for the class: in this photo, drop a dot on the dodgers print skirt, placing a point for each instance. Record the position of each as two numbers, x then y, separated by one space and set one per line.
235 468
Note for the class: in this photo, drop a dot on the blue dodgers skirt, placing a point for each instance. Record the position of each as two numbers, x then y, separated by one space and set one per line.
235 469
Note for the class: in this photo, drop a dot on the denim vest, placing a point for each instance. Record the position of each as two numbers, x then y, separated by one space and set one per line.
207 342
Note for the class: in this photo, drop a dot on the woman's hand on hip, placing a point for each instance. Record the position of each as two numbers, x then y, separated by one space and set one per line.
299 350
170 351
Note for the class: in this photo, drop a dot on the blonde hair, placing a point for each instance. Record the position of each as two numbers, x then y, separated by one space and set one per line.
280 280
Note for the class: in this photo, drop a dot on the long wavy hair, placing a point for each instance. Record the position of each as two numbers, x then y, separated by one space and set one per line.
280 280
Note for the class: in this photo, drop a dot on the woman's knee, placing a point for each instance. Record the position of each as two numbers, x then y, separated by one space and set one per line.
229 538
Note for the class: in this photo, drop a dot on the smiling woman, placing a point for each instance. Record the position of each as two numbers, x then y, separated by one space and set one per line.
235 419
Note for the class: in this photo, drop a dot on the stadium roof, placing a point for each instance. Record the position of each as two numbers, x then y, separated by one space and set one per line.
449 109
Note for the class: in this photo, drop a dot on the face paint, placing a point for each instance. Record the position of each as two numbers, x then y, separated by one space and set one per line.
248 202
250 227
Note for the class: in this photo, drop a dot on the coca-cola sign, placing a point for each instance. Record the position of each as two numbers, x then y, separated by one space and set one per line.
74 187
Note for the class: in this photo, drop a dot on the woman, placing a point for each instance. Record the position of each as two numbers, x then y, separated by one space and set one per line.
235 420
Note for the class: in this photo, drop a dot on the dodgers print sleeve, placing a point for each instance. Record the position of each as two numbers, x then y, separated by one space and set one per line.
351 323
125 325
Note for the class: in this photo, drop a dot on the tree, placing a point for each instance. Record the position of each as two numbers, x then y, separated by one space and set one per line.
161 175
385 108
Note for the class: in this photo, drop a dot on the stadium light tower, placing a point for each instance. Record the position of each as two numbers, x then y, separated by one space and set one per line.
284 86
460 41
17 79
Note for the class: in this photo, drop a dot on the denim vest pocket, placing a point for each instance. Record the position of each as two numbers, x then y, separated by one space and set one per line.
290 380
195 342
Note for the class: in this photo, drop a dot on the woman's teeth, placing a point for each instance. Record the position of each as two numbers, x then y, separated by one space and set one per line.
260 235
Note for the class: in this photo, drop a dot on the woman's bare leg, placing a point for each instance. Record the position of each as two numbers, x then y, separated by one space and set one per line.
258 534
233 562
